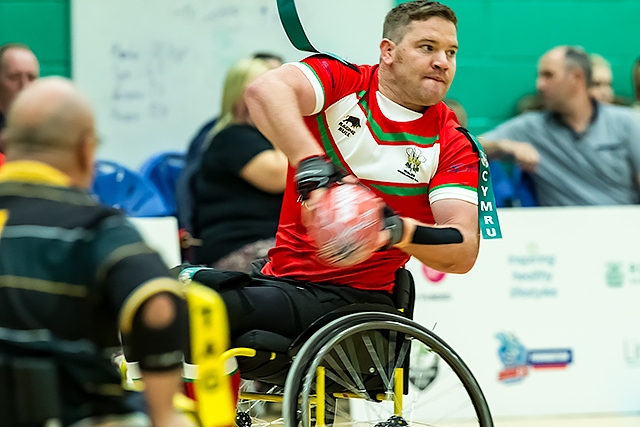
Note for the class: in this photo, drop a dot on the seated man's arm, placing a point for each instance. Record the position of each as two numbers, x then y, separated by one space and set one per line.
152 312
156 334
523 153
448 258
505 142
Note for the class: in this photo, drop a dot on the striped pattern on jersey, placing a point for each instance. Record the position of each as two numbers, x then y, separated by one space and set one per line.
395 158
409 163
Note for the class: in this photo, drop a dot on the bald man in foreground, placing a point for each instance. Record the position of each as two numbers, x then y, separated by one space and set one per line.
73 274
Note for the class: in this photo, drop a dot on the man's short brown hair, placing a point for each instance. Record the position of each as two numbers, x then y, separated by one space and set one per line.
398 20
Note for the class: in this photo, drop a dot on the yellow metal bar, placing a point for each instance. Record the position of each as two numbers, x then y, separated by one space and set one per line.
264 397
398 389
247 395
320 397
347 396
240 351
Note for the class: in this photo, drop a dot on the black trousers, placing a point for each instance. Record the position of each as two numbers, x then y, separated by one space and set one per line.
282 306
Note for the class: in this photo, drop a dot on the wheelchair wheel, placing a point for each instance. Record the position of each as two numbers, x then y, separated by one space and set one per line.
381 369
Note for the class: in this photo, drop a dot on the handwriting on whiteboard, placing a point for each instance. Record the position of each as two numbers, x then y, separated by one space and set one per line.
140 78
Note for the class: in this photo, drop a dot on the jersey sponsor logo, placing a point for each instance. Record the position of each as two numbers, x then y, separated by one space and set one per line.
412 165
459 168
349 125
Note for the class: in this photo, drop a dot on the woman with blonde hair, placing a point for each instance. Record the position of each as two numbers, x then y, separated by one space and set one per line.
238 188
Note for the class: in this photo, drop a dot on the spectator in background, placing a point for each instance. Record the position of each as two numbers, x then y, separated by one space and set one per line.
184 191
79 272
18 67
580 152
238 186
635 76
601 86
509 186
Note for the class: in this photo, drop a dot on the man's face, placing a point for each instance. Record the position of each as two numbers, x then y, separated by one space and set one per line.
423 63
601 84
554 83
18 68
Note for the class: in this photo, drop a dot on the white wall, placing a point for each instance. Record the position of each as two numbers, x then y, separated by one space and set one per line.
564 283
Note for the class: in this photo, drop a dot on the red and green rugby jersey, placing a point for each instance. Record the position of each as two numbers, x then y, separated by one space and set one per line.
409 160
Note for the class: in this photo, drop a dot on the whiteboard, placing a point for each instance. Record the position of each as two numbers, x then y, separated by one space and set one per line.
154 69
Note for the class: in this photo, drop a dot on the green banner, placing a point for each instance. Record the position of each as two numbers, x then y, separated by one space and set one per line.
295 32
487 209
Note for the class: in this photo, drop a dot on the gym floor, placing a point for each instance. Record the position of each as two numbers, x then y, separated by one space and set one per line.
603 420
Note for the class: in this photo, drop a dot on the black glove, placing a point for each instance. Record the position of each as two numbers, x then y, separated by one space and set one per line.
316 172
394 224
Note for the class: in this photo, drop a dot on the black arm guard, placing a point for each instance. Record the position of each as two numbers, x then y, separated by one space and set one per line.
424 235
159 349
436 236
315 172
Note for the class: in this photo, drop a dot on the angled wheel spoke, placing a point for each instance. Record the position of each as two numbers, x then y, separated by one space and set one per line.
376 361
352 371
337 369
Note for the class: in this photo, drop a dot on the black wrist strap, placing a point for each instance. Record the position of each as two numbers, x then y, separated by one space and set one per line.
315 172
395 225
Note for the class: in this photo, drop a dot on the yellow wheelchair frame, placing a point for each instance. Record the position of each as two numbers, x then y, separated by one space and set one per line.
306 388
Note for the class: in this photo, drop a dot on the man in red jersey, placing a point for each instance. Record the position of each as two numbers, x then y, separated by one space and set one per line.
387 126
